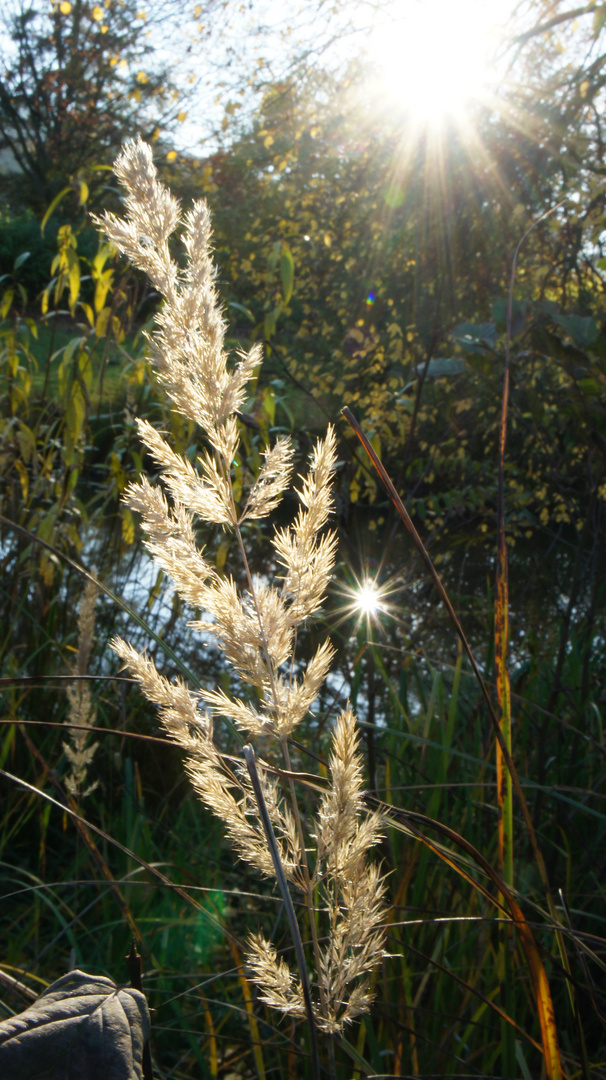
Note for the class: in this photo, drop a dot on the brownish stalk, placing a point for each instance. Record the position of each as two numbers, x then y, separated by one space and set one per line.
403 820
501 647
504 777
309 901
544 1002
249 755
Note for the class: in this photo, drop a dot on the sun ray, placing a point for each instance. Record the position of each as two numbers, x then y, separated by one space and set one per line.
432 59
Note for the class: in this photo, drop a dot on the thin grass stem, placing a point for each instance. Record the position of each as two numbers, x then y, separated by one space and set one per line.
251 765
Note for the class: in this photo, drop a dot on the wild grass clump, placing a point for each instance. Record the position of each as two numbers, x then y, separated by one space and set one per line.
325 856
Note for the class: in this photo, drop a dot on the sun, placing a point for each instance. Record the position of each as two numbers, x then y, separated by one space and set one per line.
432 58
367 599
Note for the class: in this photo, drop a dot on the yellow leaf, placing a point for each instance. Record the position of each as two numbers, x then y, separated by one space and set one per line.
97 13
172 155
102 321
85 365
327 240
65 7
583 88
113 61
181 117
75 412
155 135
128 526
222 552
142 77
23 477
74 281
268 141
6 302
104 28
197 11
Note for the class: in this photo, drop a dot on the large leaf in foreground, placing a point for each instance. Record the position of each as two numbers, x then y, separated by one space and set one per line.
81 1028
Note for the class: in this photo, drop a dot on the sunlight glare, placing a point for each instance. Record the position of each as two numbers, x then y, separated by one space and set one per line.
434 56
367 600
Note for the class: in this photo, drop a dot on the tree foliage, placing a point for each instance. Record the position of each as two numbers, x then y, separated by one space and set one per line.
76 80
399 250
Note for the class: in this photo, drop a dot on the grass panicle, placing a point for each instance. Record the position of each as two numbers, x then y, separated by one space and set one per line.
82 714
255 628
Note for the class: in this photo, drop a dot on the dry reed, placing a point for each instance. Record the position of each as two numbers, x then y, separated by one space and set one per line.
325 857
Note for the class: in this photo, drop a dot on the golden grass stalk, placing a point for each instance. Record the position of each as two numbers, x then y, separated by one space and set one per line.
256 628
81 712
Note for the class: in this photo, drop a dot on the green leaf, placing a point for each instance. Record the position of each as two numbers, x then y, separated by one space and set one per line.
275 255
518 315
27 442
436 369
475 337
583 329
21 259
590 387
269 405
53 206
243 310
270 322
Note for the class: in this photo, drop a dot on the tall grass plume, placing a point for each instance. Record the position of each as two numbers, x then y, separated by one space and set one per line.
81 712
326 856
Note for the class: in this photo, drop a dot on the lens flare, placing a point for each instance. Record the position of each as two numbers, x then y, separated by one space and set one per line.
367 599
370 599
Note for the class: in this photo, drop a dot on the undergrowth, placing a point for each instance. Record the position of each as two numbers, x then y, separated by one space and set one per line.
476 950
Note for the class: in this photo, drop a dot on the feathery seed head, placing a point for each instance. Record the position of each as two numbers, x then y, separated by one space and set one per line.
81 713
256 629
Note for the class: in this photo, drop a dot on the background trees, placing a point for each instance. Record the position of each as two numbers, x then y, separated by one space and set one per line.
76 81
